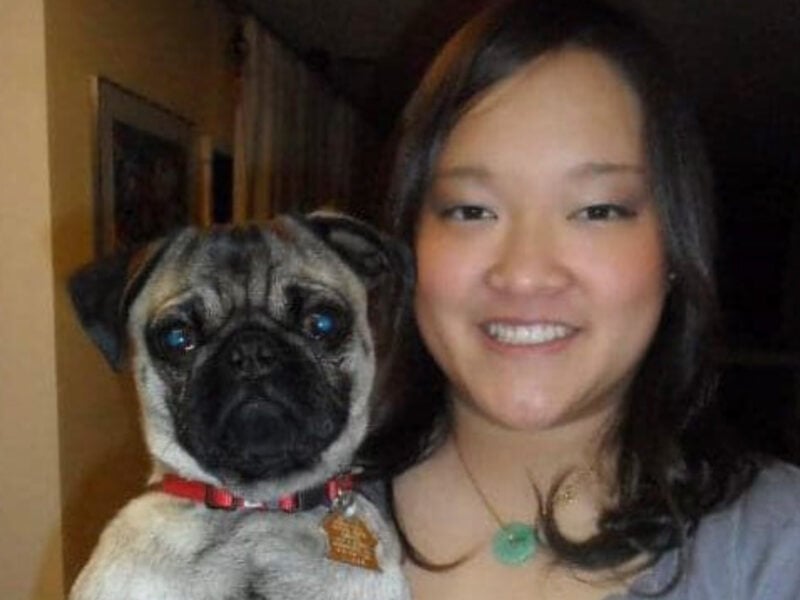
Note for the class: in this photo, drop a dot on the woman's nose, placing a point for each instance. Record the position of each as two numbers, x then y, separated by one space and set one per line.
528 259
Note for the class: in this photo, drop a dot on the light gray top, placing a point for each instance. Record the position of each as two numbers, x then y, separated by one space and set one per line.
748 551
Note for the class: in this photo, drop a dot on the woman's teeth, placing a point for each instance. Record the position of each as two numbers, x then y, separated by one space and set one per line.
521 335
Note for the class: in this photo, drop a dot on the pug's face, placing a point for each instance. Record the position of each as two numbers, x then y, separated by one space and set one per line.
253 354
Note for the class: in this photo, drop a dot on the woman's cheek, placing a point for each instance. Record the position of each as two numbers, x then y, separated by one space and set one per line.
447 265
437 272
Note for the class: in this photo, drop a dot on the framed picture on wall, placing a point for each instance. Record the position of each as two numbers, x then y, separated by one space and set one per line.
145 168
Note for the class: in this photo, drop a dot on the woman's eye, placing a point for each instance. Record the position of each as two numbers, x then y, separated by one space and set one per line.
468 212
604 212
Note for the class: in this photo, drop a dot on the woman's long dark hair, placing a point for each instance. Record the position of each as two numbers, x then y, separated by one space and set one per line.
676 462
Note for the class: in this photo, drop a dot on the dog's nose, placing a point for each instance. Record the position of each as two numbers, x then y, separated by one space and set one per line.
250 355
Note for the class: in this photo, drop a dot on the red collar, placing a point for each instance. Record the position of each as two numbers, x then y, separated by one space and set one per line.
215 497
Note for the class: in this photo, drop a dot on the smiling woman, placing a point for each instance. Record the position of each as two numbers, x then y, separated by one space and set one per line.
551 425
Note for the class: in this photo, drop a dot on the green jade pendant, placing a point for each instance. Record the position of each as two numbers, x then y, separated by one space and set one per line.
515 544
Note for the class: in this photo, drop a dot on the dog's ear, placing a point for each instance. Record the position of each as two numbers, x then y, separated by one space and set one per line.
384 264
371 254
102 292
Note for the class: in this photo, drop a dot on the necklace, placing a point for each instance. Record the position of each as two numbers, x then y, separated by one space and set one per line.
515 542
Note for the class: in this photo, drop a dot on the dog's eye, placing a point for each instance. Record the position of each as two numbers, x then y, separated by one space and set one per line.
178 338
321 324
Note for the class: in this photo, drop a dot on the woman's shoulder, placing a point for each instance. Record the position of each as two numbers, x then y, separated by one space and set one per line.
765 514
758 536
747 549
772 500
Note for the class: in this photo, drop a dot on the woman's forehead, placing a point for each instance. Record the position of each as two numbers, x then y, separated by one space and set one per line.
570 110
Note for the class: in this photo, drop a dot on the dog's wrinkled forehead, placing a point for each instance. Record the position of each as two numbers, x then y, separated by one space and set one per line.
245 266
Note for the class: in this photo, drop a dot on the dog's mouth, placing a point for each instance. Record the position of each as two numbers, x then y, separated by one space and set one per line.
265 436
266 425
253 419
257 435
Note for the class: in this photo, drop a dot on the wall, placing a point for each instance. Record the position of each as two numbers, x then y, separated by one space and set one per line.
30 528
174 54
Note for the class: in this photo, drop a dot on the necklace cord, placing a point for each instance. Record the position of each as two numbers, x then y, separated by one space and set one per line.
516 542
566 492
472 479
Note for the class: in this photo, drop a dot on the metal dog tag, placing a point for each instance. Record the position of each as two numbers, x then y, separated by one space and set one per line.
350 541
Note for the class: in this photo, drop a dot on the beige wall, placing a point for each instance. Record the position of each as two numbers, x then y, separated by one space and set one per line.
30 529
70 450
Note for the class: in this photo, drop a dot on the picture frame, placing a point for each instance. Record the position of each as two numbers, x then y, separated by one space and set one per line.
146 168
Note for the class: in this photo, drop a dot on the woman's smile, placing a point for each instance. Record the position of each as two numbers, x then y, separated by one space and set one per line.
527 334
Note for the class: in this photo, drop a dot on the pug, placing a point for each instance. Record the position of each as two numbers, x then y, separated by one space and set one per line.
254 356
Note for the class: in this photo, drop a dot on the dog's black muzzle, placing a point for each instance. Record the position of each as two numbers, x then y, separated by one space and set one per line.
262 406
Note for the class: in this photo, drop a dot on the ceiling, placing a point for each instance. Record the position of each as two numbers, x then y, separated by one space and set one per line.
740 56
373 51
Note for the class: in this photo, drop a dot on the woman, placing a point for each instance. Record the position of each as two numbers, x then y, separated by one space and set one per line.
551 424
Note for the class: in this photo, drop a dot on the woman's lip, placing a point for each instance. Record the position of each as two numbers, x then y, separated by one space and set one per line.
527 333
